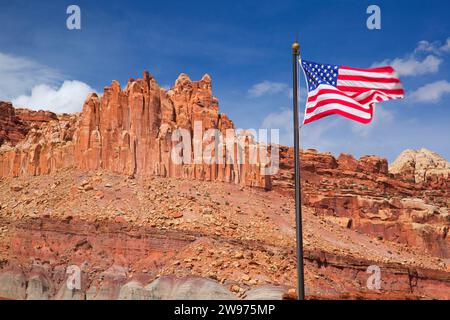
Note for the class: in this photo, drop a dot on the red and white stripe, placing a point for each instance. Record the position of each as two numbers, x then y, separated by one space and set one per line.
354 95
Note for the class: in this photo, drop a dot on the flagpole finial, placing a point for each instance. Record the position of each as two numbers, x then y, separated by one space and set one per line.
295 47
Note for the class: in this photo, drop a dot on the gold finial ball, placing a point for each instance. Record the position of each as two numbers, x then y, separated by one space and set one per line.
295 46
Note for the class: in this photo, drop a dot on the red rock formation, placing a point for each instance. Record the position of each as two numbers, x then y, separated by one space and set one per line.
130 131
12 129
29 116
363 195
422 166
47 146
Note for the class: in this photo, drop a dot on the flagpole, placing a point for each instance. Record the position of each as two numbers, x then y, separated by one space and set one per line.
298 199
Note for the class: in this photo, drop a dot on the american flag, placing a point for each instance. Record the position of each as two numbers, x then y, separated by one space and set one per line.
349 92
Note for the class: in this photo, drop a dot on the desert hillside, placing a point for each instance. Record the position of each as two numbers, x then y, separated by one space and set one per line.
100 191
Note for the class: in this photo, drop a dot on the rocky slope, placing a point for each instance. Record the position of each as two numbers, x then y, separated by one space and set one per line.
98 190
126 233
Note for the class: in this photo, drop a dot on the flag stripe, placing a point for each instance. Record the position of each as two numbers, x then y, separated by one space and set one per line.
339 111
324 94
364 85
326 90
367 97
335 95
368 79
386 69
367 74
360 89
345 109
321 103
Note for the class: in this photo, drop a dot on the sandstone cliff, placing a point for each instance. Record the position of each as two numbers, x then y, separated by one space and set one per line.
420 165
12 129
129 132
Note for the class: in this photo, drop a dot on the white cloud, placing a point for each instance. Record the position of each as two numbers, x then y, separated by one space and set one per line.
30 84
282 121
18 75
66 99
425 59
314 135
431 92
446 46
413 66
436 47
268 87
278 119
381 116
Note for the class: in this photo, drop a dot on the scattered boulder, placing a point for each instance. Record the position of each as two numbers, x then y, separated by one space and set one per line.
13 286
16 188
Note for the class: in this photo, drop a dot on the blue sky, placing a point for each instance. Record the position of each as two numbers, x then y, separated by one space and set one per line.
245 47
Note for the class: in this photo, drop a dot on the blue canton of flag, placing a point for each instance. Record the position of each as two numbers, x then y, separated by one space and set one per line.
319 73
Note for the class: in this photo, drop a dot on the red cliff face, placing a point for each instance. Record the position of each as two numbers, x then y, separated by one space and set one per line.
29 116
32 142
12 129
363 195
46 147
130 131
